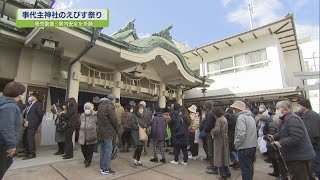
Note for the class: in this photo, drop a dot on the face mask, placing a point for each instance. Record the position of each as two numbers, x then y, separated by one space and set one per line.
29 99
131 110
261 109
298 109
140 111
21 97
64 108
279 113
87 111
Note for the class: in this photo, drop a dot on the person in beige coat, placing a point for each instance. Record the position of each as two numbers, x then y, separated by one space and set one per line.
195 121
221 144
119 113
88 132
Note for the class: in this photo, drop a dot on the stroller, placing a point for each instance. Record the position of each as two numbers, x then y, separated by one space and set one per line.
280 161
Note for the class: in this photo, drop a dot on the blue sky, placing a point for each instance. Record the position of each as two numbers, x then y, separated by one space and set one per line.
205 21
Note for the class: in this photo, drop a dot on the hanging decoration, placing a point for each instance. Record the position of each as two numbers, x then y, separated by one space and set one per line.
154 88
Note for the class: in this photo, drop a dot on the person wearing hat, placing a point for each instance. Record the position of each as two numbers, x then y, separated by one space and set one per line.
245 139
195 121
312 122
10 123
33 118
107 131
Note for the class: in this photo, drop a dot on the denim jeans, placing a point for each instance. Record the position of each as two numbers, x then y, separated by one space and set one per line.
234 157
224 170
105 154
5 161
246 160
316 162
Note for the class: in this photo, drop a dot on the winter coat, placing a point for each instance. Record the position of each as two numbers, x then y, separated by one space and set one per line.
246 132
158 128
148 116
195 121
180 132
10 122
232 120
126 120
221 144
312 122
88 129
107 120
294 140
59 136
273 128
119 112
209 121
137 120
71 117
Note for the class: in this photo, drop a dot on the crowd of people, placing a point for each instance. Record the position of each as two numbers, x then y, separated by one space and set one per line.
231 138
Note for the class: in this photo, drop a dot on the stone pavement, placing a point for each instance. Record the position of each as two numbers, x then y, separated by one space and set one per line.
49 167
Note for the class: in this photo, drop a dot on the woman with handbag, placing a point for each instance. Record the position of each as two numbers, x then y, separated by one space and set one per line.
71 118
88 132
60 127
221 144
138 133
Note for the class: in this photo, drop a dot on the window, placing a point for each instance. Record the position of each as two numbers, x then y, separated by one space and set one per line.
240 60
238 63
226 64
214 66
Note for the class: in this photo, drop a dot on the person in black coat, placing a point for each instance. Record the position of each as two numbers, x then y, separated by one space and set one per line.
180 132
71 118
33 118
232 120
208 125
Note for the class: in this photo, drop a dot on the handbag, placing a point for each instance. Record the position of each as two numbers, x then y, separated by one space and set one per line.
203 134
142 134
61 126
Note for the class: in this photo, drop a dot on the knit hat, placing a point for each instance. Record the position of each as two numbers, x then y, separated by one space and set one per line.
143 103
88 104
132 103
239 105
193 108
111 97
305 103
264 117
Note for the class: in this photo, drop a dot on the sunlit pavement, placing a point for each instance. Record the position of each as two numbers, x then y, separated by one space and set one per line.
48 166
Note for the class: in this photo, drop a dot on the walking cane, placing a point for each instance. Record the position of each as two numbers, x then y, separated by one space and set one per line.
288 174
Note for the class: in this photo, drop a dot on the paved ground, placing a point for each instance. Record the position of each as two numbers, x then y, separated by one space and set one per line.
49 167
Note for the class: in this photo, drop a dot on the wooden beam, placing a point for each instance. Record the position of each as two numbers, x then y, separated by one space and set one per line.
227 43
289 46
270 31
254 36
215 47
204 51
282 27
194 54
287 41
284 31
290 50
286 36
240 40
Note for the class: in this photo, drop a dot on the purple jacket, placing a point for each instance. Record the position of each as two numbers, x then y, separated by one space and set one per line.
158 128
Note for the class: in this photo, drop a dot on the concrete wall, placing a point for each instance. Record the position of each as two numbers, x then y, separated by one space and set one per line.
35 67
9 60
269 77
